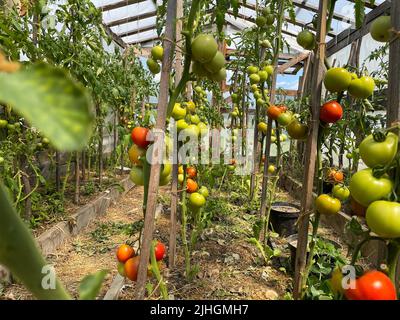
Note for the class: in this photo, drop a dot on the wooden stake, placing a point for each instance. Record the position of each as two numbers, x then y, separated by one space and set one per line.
174 186
168 45
311 152
264 188
393 111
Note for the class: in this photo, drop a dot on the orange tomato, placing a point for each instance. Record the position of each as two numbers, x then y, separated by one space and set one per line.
125 252
335 175
131 268
135 152
191 172
191 186
273 112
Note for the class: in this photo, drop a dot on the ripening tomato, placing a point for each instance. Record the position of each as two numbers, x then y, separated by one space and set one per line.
159 250
191 172
271 169
125 252
131 268
327 205
191 186
379 149
341 192
331 112
285 118
273 112
297 130
373 285
365 188
141 136
335 175
135 154
383 218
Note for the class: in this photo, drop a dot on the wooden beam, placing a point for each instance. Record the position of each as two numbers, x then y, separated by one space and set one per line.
393 110
132 18
304 4
119 4
159 132
307 202
136 31
300 57
350 35
117 39
155 37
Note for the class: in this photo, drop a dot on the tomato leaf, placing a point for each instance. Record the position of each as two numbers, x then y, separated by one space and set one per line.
51 101
90 285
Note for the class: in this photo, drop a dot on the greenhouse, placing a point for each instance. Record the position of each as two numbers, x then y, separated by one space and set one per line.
199 150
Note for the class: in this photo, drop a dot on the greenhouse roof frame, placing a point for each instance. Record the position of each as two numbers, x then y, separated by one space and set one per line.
143 36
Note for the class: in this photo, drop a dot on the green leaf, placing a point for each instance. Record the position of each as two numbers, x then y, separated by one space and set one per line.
91 285
51 101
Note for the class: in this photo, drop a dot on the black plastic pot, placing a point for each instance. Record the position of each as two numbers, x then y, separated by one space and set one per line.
292 244
327 187
283 219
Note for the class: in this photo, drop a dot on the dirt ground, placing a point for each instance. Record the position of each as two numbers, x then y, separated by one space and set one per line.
229 266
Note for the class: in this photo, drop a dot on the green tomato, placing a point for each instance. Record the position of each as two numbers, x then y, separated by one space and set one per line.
269 69
181 125
3 123
153 66
252 70
381 29
217 63
254 78
1 160
349 156
284 118
327 205
192 131
271 169
306 39
297 130
137 176
45 140
157 53
204 191
196 200
362 88
263 75
337 79
365 188
204 48
121 269
341 192
383 218
378 153
178 112
195 119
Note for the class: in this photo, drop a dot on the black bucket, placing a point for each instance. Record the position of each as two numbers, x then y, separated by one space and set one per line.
284 216
292 244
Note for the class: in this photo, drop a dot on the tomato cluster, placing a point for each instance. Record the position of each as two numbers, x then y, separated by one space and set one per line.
128 261
157 54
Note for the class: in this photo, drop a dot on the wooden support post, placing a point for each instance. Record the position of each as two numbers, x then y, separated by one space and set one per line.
168 45
311 152
264 188
393 111
174 186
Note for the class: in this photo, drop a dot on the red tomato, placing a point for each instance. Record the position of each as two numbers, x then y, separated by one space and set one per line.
191 172
125 252
331 112
141 137
159 251
373 285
